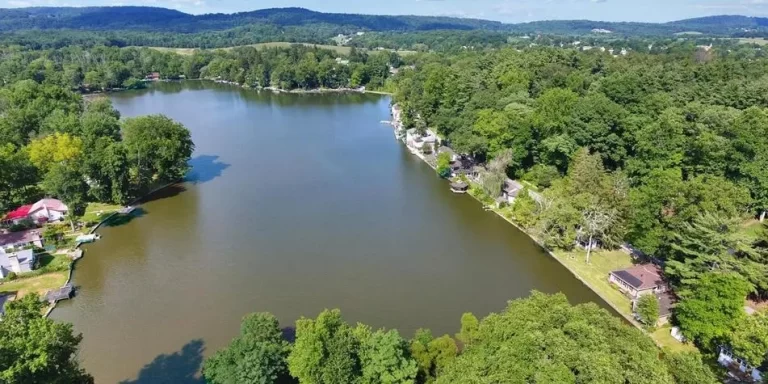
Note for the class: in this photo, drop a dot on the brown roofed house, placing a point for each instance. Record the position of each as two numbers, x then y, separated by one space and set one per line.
639 280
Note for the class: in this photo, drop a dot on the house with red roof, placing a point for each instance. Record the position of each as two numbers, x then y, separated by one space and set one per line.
18 215
48 210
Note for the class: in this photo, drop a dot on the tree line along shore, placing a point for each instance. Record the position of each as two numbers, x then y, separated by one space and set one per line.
663 151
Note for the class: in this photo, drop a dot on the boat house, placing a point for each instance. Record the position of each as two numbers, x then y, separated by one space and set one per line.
459 187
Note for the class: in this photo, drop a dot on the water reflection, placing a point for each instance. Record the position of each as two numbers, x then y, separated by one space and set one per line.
180 367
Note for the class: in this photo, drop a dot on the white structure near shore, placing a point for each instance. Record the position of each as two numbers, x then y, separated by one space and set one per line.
16 262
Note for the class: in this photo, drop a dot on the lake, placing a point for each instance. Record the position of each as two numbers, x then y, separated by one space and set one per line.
294 203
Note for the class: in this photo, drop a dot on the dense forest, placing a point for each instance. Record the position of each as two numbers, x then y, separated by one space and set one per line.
101 68
666 149
665 152
148 26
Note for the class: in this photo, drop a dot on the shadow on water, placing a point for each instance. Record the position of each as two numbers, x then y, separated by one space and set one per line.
205 168
289 334
177 368
169 191
120 220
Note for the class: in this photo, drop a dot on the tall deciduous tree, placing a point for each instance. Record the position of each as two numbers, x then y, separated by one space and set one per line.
326 351
433 355
688 368
545 339
384 357
158 148
257 355
35 349
709 310
750 339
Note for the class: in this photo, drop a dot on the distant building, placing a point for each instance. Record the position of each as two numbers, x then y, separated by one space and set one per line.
16 262
154 76
601 30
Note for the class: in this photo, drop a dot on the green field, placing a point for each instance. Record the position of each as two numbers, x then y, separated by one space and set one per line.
342 50
753 40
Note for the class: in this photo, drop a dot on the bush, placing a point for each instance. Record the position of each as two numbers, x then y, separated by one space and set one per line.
647 310
11 276
542 175
444 165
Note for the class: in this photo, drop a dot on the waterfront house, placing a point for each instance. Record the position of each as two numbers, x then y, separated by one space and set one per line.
510 190
416 141
21 239
16 262
459 187
154 76
48 210
739 369
639 280
18 215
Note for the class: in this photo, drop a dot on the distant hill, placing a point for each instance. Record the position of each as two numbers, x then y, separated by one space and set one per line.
161 20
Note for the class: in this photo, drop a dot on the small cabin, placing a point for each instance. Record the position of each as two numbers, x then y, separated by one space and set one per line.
459 187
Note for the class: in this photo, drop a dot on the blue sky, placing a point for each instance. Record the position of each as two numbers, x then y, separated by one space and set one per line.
503 10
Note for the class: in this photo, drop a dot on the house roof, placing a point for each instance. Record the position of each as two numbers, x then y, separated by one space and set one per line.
26 256
641 277
667 301
51 204
13 238
459 185
512 185
19 213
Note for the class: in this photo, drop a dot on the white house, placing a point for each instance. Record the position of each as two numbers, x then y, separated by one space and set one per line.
416 141
21 239
727 359
16 262
48 210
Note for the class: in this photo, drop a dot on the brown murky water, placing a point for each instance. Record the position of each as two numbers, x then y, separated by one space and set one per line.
295 203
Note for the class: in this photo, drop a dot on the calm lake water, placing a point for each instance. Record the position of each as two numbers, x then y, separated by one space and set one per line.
295 203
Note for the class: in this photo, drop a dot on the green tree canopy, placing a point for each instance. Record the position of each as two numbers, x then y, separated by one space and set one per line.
544 339
257 355
35 349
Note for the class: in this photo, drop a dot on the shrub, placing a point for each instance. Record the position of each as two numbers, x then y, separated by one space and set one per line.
444 165
11 276
647 309
542 175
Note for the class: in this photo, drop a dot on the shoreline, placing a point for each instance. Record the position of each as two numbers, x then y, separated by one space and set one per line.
92 231
397 125
361 90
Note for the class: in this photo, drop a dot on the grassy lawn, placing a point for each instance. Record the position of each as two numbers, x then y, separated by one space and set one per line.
664 338
40 284
96 212
596 273
753 40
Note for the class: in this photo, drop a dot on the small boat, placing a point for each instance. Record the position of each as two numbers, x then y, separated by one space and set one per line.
84 239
